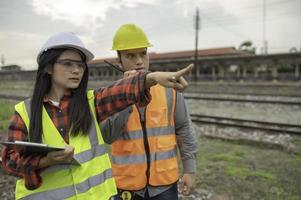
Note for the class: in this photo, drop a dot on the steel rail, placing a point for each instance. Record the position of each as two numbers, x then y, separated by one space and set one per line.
259 125
298 103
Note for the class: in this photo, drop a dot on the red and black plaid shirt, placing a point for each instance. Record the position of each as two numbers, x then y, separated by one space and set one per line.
107 102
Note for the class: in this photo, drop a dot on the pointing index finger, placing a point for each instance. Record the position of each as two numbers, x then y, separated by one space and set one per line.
184 71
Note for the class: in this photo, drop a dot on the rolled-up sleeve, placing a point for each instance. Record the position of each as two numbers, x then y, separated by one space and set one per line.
121 94
113 127
15 162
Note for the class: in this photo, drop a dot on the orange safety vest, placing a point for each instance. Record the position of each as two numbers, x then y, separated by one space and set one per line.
146 154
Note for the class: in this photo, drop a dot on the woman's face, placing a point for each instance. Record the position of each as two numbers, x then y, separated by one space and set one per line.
68 70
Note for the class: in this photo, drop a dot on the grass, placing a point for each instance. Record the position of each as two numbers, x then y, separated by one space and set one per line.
246 172
13 85
6 110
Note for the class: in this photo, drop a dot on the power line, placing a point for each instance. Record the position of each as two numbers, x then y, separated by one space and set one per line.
265 42
2 60
197 27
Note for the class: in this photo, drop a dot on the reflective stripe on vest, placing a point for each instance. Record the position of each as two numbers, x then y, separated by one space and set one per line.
69 191
90 175
128 152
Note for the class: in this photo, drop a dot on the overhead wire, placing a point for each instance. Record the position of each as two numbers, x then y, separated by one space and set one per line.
223 22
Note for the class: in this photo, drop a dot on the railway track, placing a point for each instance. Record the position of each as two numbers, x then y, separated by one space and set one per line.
244 94
12 97
198 97
245 123
0 151
243 100
227 121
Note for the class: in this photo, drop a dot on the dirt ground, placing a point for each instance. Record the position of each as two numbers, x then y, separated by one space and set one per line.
231 171
7 186
247 172
226 170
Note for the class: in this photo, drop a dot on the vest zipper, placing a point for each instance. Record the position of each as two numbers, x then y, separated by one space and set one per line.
146 144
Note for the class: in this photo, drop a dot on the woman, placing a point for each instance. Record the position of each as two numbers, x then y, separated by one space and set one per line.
61 113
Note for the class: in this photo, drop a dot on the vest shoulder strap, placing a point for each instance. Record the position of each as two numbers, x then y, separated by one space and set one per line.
23 112
90 94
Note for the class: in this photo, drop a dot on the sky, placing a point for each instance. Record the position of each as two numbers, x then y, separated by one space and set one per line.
26 24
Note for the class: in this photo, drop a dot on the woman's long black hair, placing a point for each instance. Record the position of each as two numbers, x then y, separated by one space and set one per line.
79 116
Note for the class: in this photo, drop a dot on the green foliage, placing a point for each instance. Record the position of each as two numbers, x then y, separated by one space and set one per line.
247 46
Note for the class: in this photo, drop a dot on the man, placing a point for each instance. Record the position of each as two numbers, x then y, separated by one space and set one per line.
144 156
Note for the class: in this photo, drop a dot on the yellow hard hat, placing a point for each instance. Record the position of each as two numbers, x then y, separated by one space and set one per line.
130 36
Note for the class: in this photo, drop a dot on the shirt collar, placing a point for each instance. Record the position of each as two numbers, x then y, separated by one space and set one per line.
67 96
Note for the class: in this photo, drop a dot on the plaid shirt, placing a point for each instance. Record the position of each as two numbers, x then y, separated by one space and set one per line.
107 102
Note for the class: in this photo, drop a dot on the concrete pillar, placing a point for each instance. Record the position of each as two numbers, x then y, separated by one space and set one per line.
221 72
213 72
275 73
244 71
243 75
238 72
297 71
165 68
115 74
197 71
255 70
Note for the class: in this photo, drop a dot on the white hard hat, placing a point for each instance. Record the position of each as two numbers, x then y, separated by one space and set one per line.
65 40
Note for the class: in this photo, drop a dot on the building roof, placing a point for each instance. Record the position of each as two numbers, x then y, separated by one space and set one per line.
182 54
10 68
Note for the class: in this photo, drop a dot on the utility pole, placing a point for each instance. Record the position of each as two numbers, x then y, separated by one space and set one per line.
197 26
2 60
265 42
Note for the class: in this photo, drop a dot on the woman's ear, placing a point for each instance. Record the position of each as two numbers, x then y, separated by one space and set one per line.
49 69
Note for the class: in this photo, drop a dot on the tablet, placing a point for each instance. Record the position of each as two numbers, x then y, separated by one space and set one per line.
31 147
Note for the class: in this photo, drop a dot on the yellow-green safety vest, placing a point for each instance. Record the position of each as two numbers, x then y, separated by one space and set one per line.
90 179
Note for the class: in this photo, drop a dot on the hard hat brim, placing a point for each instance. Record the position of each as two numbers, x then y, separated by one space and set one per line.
132 47
88 54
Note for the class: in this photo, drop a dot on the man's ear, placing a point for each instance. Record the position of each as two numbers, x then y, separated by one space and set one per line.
118 59
120 66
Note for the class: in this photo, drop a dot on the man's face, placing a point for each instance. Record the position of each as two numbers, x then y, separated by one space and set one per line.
134 59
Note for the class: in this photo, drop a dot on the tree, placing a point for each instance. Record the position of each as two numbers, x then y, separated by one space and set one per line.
247 46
